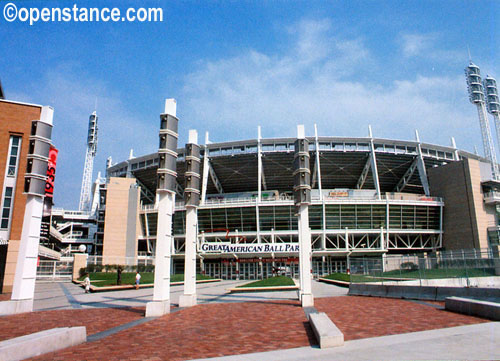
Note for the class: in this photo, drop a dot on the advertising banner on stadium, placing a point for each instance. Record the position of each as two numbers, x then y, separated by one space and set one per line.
228 247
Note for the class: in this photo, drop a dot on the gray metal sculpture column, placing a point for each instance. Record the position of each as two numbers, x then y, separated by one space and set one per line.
167 178
302 196
192 201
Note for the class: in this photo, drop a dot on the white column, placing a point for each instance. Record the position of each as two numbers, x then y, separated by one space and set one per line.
320 189
25 276
373 160
382 241
259 165
454 146
204 178
189 297
306 296
192 169
422 172
346 239
164 239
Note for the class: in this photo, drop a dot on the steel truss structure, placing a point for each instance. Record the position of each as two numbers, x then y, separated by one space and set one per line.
358 205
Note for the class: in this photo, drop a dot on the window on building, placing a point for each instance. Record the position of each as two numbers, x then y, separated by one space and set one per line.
15 144
6 208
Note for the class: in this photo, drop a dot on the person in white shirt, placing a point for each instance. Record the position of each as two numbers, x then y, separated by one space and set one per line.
137 280
86 283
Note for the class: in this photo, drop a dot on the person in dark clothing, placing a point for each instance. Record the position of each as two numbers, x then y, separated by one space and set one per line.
119 278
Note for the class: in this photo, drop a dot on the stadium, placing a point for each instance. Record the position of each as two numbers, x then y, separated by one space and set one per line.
369 197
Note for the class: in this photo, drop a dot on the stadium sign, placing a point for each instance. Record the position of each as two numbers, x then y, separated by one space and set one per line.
228 247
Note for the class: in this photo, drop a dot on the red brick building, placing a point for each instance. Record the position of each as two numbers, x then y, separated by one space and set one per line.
15 127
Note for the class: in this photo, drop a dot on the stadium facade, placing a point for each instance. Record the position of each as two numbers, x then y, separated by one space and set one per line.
370 197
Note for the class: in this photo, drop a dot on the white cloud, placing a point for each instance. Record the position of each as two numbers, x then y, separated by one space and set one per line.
318 81
416 44
428 46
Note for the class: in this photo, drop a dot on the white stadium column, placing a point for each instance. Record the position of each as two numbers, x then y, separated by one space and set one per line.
167 178
192 200
204 183
34 187
302 197
320 189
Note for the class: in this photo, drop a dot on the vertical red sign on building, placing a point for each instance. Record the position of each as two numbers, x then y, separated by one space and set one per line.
49 194
51 172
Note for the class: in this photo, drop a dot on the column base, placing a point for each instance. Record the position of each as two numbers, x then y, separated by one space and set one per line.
307 300
12 307
157 308
187 300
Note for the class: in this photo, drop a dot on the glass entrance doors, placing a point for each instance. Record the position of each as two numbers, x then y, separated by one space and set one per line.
265 268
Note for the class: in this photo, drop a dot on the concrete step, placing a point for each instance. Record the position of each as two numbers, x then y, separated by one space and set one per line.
42 342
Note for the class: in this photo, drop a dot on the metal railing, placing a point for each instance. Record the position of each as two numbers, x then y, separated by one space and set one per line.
492 196
465 268
64 212
140 260
287 198
54 269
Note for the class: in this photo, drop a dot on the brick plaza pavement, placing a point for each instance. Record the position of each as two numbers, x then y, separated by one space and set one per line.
364 317
217 329
95 320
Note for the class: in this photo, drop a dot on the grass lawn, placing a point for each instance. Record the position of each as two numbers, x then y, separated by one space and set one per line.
271 282
344 277
100 279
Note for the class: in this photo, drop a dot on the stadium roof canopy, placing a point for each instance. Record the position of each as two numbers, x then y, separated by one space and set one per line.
343 161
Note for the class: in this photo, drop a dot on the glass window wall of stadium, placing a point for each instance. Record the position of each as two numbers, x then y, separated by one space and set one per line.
335 228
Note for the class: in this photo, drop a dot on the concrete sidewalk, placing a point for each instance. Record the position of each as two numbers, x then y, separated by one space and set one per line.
473 342
223 325
66 295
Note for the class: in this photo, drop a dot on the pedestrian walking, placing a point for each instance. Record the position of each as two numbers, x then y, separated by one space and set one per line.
86 283
119 277
137 280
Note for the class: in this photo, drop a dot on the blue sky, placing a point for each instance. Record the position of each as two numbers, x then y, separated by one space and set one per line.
233 65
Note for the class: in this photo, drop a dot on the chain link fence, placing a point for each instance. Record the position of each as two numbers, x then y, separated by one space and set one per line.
462 268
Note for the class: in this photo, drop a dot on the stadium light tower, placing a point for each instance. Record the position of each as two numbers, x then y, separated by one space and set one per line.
492 103
476 97
86 192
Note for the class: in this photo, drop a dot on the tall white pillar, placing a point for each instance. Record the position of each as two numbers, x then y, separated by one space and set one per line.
163 257
189 297
167 181
192 200
23 290
306 296
302 198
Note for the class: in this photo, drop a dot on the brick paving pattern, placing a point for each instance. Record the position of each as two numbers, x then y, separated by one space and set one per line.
214 330
362 317
208 330
95 319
